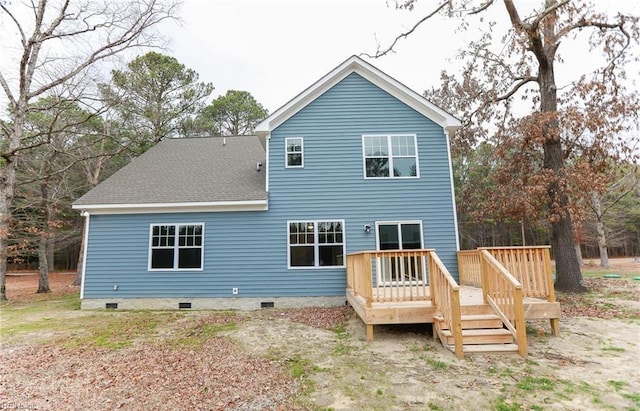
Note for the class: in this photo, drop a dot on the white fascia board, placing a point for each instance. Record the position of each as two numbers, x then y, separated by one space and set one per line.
371 73
154 208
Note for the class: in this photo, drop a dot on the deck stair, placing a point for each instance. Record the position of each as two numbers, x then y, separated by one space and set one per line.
481 333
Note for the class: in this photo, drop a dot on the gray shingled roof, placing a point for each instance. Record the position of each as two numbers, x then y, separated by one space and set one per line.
187 170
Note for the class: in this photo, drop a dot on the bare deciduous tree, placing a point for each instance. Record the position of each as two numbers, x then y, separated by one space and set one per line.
59 41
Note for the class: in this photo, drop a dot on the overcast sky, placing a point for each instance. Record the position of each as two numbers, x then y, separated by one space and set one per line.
276 48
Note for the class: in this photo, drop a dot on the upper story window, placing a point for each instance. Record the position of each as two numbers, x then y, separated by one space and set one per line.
176 247
294 152
390 156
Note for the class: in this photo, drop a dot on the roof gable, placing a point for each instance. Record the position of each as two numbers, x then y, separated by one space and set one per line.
355 64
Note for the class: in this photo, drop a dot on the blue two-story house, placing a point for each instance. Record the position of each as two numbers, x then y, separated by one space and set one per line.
355 162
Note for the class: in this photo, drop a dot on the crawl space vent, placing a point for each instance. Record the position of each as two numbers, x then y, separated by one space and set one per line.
184 305
266 304
112 306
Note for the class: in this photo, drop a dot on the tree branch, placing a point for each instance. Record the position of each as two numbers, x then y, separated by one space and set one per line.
551 9
408 33
522 81
18 26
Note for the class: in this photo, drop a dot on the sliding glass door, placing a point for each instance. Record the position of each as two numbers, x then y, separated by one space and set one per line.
399 235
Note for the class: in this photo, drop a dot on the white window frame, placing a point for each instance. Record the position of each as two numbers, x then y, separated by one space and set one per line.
316 245
176 247
398 224
286 152
390 155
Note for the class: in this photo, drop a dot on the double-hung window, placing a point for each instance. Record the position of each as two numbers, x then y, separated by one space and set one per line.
390 156
316 244
176 247
294 152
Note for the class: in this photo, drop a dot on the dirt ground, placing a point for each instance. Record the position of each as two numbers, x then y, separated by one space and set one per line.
316 359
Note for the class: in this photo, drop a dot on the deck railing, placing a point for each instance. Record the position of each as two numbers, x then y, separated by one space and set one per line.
531 266
389 275
503 292
445 294
359 275
469 268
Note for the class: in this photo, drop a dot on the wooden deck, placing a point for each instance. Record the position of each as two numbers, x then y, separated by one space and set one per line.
502 288
423 311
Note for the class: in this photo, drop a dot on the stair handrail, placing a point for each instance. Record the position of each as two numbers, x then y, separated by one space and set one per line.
445 295
503 292
531 265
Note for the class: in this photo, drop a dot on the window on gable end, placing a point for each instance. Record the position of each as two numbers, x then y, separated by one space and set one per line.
294 152
390 156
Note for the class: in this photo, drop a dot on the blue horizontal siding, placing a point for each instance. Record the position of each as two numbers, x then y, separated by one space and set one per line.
332 182
248 250
245 250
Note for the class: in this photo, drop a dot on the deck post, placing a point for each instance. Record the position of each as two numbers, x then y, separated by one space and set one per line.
369 332
520 323
368 288
432 280
555 322
456 323
484 275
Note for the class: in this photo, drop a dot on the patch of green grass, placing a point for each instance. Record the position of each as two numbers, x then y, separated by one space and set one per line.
437 364
342 347
317 368
12 331
503 405
435 407
116 331
39 320
536 383
618 385
297 367
612 348
379 392
635 397
17 310
507 372
196 335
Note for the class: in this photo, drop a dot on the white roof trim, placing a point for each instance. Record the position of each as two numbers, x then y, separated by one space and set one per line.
355 64
216 206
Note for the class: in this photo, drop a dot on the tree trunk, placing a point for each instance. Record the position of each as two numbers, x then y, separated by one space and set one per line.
43 266
7 188
579 254
602 244
43 243
80 267
51 243
4 228
568 275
